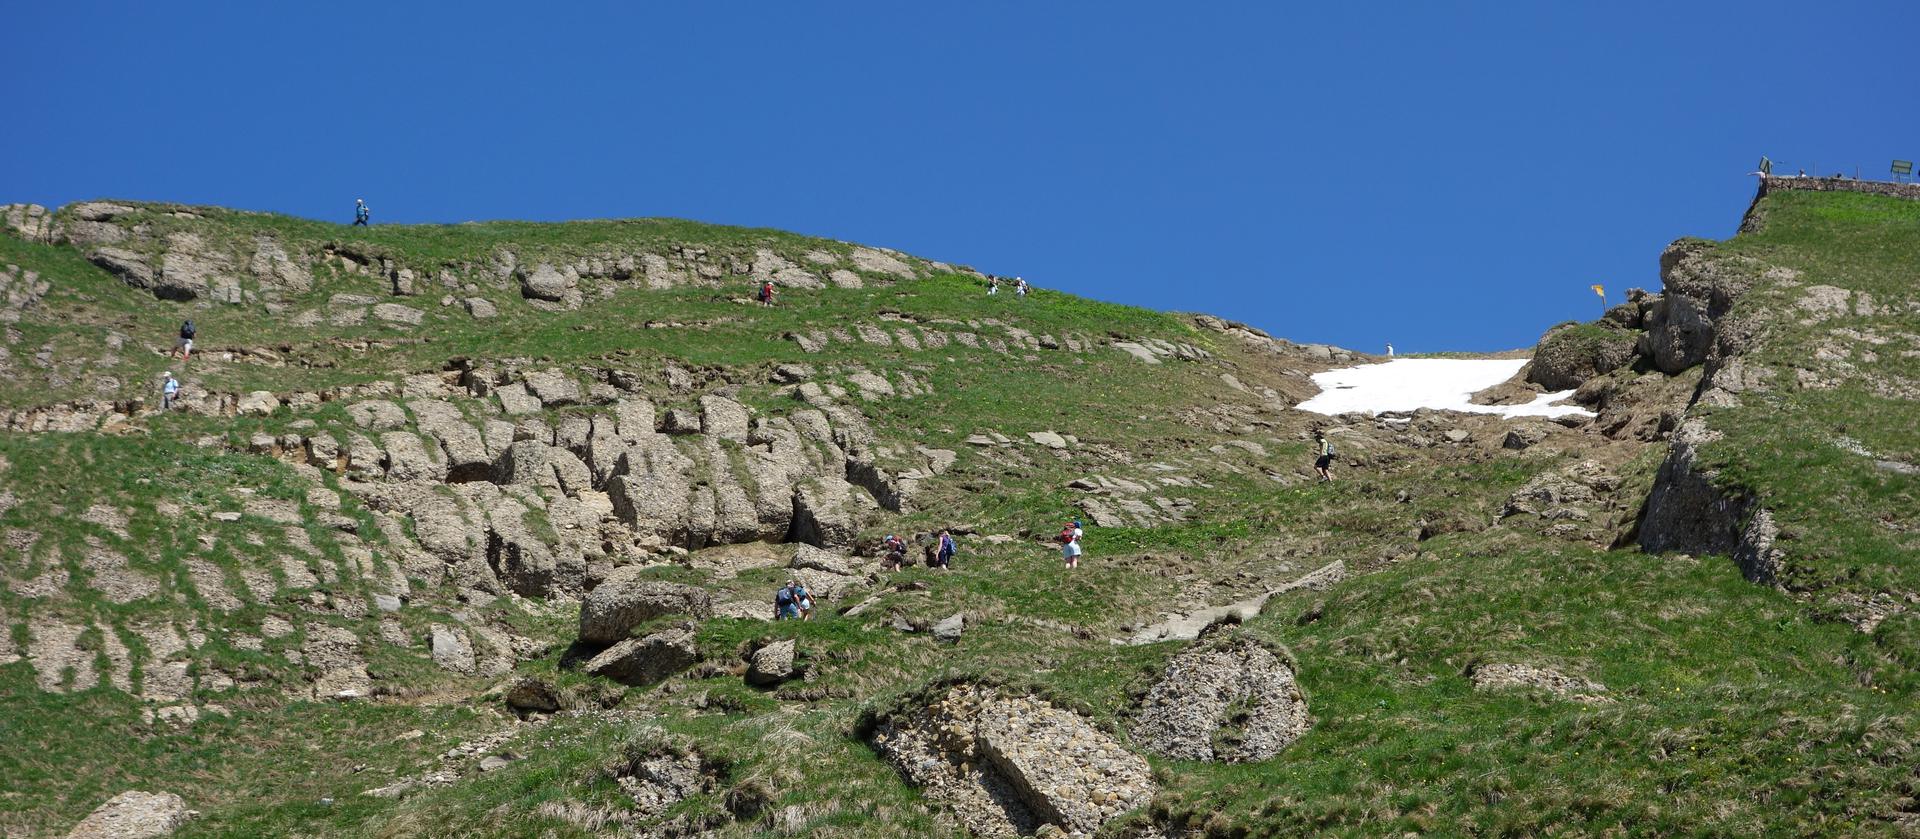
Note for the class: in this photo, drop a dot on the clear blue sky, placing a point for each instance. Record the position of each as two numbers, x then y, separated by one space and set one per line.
1442 175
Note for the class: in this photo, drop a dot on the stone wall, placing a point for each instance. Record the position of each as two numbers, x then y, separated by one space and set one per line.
1808 184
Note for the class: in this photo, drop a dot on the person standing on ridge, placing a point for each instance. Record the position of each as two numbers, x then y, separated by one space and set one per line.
169 391
1323 456
1020 288
1389 350
1069 539
360 212
184 348
993 285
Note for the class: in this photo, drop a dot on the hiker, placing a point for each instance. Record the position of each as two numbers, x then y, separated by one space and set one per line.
896 549
1069 540
993 285
783 605
184 348
766 293
1389 350
1323 456
947 549
803 600
1019 287
360 213
169 391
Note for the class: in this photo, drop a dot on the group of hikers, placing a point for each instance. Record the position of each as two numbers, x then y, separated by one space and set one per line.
1020 286
793 602
183 350
937 551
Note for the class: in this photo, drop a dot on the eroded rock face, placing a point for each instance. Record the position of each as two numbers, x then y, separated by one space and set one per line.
627 598
1686 513
1009 764
1226 699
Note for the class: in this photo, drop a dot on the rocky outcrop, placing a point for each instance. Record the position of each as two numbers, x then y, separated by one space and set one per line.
1571 354
1008 764
1687 513
134 815
1683 324
31 222
628 598
1227 698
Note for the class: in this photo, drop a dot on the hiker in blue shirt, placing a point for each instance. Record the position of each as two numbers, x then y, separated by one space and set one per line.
169 391
360 212
803 600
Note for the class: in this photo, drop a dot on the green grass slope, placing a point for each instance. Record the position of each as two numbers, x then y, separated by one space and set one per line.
1728 709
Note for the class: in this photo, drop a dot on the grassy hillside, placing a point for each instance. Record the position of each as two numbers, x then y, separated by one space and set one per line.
201 660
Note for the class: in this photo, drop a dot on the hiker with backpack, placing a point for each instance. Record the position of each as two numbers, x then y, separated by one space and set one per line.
946 551
896 549
361 213
1020 288
184 348
784 606
1069 540
1323 456
766 293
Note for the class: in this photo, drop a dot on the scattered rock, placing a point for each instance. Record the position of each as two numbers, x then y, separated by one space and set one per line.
1048 438
1509 676
134 815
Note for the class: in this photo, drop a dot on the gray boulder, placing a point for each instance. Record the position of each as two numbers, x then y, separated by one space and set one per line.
546 282
627 599
949 630
451 648
649 659
771 664
530 694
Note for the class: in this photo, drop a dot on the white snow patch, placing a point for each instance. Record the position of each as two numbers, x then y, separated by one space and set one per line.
1442 384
